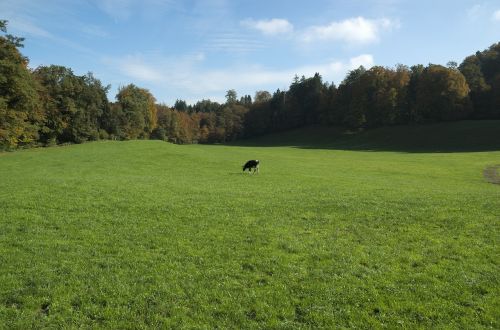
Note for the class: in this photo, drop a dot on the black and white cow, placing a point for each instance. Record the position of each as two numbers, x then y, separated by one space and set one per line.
251 164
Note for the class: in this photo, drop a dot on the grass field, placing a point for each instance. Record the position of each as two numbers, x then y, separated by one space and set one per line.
387 228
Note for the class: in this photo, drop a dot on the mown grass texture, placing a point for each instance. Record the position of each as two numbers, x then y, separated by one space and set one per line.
145 234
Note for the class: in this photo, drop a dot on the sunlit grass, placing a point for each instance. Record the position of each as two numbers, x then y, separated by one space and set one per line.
146 233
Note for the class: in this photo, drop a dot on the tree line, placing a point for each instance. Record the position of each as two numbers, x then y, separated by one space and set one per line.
51 105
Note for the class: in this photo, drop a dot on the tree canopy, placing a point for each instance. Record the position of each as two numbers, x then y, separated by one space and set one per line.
482 72
21 114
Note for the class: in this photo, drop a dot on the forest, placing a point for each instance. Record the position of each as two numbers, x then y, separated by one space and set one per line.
51 105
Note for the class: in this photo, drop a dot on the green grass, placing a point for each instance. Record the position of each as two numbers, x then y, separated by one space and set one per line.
336 231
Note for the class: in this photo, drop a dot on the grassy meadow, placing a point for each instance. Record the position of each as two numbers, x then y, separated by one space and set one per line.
394 227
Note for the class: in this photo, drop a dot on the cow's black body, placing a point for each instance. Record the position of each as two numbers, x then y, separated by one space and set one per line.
251 164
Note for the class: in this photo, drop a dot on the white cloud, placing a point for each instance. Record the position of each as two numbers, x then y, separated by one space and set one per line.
358 30
496 15
154 68
233 42
481 12
187 79
136 69
365 60
247 79
353 31
270 27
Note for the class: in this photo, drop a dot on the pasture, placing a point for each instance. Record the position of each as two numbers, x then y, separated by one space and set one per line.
395 227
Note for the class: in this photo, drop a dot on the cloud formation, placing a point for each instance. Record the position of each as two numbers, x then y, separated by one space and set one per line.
134 67
233 42
365 60
275 26
358 30
352 31
197 82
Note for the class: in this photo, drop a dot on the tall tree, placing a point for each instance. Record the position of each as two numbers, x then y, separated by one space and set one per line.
262 96
442 94
74 105
384 92
234 115
181 105
21 114
350 100
329 109
138 111
231 96
482 72
206 106
246 100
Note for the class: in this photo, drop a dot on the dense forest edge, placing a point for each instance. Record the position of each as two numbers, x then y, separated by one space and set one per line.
444 137
50 105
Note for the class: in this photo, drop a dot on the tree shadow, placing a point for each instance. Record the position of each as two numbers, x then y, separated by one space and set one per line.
462 136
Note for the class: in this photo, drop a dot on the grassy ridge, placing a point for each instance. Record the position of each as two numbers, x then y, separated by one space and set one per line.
145 233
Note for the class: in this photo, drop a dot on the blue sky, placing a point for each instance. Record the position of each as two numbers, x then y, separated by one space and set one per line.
199 49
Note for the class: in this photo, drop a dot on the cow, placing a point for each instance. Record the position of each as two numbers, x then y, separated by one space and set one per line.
251 164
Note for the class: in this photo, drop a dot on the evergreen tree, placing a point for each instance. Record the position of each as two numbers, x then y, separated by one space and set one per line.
181 105
231 96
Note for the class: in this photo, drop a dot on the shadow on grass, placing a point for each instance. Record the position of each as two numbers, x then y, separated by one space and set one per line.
463 136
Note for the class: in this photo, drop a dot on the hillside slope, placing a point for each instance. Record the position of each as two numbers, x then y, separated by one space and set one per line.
147 234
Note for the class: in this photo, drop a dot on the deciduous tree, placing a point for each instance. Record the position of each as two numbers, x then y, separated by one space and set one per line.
21 114
138 111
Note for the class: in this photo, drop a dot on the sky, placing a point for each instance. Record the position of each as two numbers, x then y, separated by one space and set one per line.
199 49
